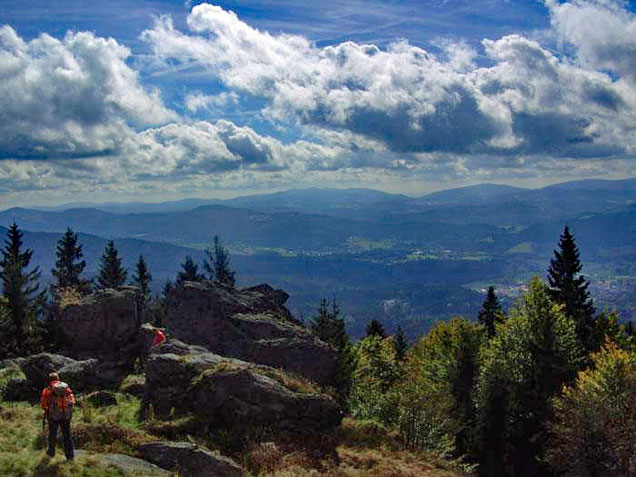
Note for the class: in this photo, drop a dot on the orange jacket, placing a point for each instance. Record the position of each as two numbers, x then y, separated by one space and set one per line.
47 395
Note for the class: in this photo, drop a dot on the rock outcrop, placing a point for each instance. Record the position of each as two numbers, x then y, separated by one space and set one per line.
103 325
250 324
229 393
189 459
82 376
127 465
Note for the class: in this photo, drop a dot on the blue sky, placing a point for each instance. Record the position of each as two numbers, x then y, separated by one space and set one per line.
152 100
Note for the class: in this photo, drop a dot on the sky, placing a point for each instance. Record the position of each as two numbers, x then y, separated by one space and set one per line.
159 100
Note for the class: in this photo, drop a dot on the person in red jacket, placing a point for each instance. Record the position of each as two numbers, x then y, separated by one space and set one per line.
57 401
160 337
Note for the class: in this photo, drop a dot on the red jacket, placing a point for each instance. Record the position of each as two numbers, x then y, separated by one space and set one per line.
47 395
160 337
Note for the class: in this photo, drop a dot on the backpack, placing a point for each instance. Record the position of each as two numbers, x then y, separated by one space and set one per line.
61 407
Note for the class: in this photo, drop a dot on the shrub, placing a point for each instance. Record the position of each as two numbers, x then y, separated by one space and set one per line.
595 419
375 372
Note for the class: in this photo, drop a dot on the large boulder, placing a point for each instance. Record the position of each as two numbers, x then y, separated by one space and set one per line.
82 376
250 324
229 393
103 325
37 367
189 459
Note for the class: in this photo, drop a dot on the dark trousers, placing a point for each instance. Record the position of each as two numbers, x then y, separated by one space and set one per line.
66 434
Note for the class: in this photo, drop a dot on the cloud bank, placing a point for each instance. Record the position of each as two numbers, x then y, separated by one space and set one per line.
75 115
528 101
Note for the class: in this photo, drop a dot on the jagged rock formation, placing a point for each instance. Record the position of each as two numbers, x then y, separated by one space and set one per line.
237 371
103 325
189 459
225 393
250 324
86 375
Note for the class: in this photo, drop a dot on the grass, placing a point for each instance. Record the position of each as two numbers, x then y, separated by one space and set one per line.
113 429
132 382
6 375
291 381
366 449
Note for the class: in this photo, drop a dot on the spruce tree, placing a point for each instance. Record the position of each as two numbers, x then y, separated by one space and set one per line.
217 263
375 328
522 368
19 288
329 326
569 287
189 272
400 344
491 312
142 277
111 272
68 265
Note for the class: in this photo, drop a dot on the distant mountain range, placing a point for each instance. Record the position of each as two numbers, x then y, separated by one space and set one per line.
518 204
383 255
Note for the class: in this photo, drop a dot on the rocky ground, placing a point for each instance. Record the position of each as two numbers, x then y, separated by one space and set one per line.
240 388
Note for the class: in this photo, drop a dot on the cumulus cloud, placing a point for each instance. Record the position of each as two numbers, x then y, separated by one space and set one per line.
73 97
603 33
362 114
527 102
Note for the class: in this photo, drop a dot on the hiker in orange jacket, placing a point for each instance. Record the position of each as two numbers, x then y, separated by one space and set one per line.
57 401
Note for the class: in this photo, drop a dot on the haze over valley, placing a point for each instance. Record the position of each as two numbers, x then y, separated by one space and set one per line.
399 259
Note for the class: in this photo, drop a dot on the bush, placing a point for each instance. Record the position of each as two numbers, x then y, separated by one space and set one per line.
595 420
374 375
436 404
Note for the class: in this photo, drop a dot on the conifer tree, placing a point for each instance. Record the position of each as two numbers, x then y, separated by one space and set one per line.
142 277
189 272
328 325
111 272
19 287
522 368
330 328
400 344
375 328
217 263
569 287
491 312
68 265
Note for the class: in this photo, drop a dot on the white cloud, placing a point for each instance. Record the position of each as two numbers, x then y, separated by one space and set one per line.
73 97
527 102
365 115
603 33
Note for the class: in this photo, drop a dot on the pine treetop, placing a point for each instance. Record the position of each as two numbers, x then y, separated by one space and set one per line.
375 328
142 277
67 270
111 274
491 312
569 287
400 344
189 272
217 263
18 287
